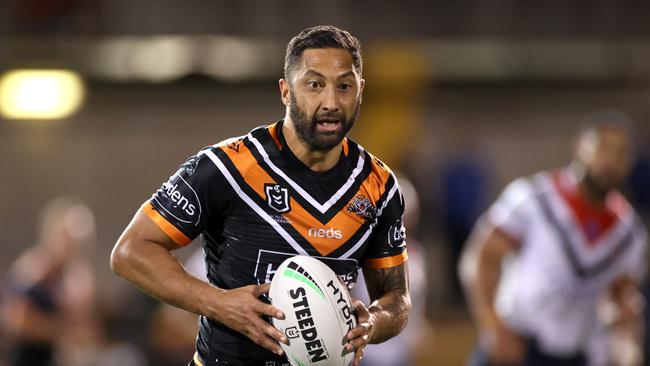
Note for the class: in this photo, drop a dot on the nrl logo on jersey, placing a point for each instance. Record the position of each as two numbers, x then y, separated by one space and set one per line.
277 197
363 207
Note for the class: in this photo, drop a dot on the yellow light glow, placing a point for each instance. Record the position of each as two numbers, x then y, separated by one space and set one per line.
40 94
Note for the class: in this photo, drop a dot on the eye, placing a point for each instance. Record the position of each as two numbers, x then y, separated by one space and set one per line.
313 84
345 86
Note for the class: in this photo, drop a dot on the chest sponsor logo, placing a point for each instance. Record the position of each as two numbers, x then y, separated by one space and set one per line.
269 261
329 233
363 207
277 197
180 200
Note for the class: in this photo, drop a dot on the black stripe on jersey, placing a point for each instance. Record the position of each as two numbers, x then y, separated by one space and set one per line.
565 239
268 143
248 191
384 199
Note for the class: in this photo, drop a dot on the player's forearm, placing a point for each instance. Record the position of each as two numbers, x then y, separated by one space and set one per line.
391 313
623 310
480 272
487 283
158 273
391 301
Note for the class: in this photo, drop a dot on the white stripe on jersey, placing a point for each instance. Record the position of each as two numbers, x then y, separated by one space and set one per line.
320 207
564 221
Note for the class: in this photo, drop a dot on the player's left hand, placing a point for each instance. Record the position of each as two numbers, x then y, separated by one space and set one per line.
361 335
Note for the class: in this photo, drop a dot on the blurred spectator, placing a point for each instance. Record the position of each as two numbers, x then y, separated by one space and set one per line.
553 266
48 305
401 350
464 186
116 346
173 331
172 335
639 183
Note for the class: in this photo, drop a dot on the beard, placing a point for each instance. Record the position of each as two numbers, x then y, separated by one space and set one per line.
596 187
306 128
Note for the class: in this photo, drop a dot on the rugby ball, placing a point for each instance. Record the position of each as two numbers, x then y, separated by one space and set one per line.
318 312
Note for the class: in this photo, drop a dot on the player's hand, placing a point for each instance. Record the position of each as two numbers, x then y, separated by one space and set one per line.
240 309
360 336
504 346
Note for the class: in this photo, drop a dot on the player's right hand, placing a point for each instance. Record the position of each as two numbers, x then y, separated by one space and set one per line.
241 309
504 346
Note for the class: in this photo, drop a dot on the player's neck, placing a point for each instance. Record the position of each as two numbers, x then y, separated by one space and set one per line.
316 160
586 189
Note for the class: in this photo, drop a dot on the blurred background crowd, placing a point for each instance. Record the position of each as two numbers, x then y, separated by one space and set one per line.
101 100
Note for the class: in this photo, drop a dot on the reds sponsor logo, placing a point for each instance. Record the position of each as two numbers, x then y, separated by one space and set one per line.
330 233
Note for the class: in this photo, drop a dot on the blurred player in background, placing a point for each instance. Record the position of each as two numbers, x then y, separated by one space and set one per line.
298 186
551 268
48 300
402 349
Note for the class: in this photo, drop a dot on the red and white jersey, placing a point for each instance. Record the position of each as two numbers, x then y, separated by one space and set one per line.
570 252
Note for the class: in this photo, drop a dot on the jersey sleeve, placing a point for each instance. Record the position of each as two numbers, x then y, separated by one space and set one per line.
509 212
388 241
190 199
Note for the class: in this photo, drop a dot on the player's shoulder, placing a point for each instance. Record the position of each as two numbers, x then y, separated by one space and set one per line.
526 187
626 212
236 147
377 166
234 143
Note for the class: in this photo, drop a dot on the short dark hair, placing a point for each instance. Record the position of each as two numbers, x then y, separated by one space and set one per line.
322 36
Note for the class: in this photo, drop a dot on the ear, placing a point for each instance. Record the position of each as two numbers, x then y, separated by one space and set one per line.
362 84
284 91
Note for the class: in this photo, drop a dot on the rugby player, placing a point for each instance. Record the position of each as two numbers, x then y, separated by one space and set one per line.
578 248
296 186
47 308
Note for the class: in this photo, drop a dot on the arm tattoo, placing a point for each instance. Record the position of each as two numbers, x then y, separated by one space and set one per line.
380 281
390 299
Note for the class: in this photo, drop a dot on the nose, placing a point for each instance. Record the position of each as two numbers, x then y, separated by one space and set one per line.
330 102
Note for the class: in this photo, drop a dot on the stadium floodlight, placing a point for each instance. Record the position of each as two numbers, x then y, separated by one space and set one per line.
40 94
